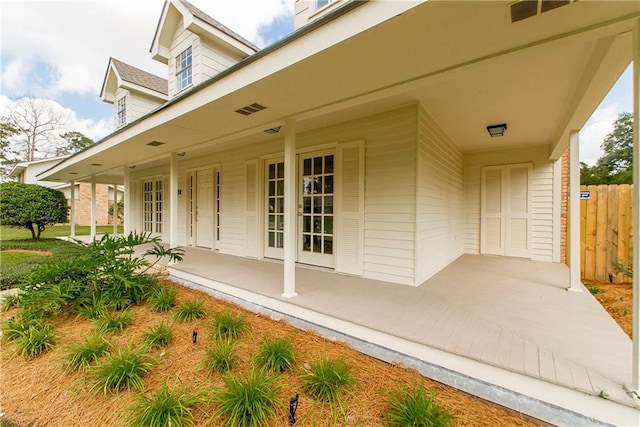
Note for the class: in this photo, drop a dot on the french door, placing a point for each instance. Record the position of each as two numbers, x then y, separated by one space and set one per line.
315 210
152 206
274 224
204 207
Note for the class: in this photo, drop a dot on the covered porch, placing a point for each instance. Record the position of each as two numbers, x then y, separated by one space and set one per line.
501 328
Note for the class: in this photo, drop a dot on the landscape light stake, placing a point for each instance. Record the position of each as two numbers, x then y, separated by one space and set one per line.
293 407
194 337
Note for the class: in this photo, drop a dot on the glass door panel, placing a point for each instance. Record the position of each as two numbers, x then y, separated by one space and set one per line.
274 177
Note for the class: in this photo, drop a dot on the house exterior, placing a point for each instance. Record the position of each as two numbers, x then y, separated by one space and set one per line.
381 140
27 172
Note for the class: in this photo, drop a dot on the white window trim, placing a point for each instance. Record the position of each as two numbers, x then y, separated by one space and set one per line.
323 9
189 68
121 114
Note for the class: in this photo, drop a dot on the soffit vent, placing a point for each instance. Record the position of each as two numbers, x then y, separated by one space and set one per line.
250 109
527 8
155 143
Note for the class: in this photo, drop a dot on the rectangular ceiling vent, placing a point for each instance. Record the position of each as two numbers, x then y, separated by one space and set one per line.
155 143
524 9
250 109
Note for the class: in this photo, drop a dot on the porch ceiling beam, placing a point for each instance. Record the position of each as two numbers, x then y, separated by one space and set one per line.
596 80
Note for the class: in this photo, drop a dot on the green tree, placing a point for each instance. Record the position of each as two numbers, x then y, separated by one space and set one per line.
616 164
31 206
76 141
7 130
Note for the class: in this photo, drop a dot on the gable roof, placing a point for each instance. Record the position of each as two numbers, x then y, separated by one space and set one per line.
211 21
131 74
119 74
176 13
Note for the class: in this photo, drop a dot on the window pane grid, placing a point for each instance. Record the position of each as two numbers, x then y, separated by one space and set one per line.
183 69
317 204
152 206
275 203
122 111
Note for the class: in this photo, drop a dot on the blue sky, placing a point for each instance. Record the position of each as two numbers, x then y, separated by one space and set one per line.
35 58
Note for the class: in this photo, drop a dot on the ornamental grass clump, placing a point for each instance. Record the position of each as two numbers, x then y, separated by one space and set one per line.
228 325
190 310
221 356
408 407
325 378
113 321
125 369
159 335
10 301
165 408
162 298
15 327
82 354
247 400
37 339
276 354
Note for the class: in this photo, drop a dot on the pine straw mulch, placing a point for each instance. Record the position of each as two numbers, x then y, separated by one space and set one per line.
617 299
39 392
29 251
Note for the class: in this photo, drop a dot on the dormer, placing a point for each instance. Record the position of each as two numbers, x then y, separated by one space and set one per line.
194 45
132 91
305 11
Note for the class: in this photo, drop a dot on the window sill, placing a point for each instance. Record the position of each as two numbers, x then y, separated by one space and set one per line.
184 89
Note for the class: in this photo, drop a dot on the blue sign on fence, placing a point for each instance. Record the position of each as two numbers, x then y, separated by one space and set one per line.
585 194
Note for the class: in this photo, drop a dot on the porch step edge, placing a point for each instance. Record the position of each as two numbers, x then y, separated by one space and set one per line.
537 398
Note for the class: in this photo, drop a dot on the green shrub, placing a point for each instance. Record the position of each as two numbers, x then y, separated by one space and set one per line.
164 408
276 354
325 378
221 356
10 300
159 335
162 298
414 407
81 355
113 321
123 370
228 325
14 328
37 339
247 401
190 310
95 308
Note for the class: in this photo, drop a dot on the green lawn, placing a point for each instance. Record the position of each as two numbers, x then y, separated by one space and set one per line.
12 233
14 266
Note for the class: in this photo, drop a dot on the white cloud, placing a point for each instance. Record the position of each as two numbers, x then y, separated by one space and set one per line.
74 39
595 130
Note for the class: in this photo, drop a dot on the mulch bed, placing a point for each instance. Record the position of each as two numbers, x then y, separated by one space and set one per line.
617 299
39 392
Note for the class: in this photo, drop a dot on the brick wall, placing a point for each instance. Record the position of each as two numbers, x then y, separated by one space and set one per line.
83 204
564 204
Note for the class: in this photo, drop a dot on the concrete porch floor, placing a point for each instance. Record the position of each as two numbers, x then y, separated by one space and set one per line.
505 322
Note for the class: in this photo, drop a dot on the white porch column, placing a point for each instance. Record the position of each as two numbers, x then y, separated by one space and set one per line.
636 206
290 209
93 207
574 212
72 209
127 200
114 213
173 200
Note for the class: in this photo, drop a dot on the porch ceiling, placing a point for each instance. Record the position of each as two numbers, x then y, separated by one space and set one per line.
464 61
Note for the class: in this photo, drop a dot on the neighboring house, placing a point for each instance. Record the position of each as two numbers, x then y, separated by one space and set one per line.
27 172
381 140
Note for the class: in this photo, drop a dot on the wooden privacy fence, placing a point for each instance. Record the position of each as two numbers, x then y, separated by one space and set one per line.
606 230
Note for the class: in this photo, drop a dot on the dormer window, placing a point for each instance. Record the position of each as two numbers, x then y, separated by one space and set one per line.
183 70
121 117
322 3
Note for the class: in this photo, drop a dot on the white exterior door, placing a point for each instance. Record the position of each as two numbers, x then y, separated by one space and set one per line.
205 212
274 210
506 210
316 209
152 191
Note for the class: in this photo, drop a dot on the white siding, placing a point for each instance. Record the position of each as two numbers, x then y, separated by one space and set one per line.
138 105
541 189
181 41
439 238
390 188
216 58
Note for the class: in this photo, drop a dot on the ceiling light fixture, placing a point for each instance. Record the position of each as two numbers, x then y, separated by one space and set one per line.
497 130
181 154
273 130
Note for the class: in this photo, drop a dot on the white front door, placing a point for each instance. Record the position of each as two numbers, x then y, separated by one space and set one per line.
205 202
506 210
315 211
274 210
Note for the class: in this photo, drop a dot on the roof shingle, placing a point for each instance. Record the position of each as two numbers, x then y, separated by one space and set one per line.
139 77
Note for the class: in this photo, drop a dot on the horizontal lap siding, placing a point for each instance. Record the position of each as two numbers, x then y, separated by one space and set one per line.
181 41
390 164
440 199
541 196
138 106
215 59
